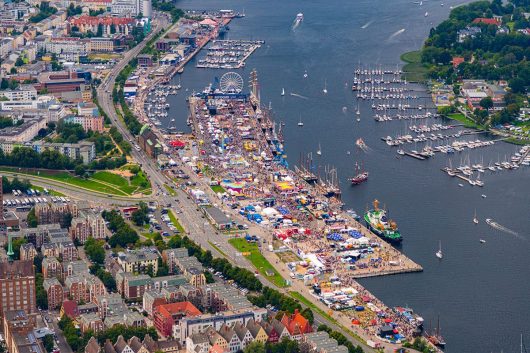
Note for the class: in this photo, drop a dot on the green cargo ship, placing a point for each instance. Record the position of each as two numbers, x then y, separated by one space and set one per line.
377 222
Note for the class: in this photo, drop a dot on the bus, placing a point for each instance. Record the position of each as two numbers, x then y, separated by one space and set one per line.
23 208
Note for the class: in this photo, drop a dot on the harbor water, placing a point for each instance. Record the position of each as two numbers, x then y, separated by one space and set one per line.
479 291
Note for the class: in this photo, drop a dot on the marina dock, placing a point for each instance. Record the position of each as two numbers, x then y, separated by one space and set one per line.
229 54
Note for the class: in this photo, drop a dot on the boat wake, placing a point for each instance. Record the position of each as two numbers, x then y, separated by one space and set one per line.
298 95
397 33
502 228
362 145
367 24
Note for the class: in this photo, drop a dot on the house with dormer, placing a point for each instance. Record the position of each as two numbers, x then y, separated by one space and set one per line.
234 343
245 337
296 324
257 332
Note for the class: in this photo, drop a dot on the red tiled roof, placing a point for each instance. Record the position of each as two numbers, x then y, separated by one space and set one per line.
185 308
457 60
96 20
70 308
296 323
488 21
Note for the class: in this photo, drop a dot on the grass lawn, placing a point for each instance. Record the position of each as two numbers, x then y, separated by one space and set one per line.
258 260
461 117
104 56
64 177
111 178
411 57
51 192
175 221
414 70
137 184
170 190
217 248
218 189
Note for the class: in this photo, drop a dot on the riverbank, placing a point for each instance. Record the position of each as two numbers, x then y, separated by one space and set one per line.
414 70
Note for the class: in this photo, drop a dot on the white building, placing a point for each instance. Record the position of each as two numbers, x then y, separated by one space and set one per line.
131 8
21 93
188 326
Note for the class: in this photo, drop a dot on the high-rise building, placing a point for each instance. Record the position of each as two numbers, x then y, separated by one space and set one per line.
17 286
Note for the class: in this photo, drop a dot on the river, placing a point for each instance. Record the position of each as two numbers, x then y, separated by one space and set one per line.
480 291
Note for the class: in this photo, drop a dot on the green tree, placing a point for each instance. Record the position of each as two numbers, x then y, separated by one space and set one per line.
40 293
47 341
80 170
486 103
255 347
139 217
95 251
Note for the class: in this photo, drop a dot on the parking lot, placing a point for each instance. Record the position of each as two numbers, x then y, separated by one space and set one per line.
23 200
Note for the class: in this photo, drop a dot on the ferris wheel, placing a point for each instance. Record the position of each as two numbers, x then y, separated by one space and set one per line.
231 82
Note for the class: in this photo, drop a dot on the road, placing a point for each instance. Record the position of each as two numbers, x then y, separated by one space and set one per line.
190 217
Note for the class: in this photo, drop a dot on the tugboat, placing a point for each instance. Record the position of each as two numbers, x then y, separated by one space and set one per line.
377 221
360 176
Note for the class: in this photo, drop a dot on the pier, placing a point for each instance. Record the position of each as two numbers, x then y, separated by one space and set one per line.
229 54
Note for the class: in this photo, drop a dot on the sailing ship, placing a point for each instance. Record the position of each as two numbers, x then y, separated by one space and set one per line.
360 176
435 337
439 253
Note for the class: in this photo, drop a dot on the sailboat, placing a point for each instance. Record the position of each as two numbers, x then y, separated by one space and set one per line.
475 219
325 90
359 177
300 123
305 74
439 253
319 151
283 92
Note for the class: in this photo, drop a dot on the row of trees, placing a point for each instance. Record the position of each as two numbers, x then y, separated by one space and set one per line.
168 7
14 184
129 118
282 302
341 339
27 157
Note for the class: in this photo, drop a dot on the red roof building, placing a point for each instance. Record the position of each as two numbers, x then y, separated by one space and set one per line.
69 309
166 315
296 324
488 21
457 60
109 24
